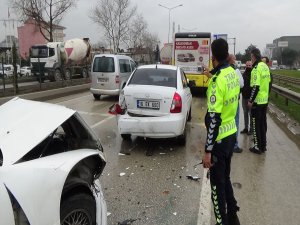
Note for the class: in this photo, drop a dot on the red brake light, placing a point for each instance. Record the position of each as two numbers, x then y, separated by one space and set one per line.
115 109
176 106
117 79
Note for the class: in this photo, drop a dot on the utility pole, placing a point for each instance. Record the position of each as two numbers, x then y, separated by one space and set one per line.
170 9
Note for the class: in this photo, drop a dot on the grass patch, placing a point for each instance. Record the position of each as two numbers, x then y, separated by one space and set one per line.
292 109
290 73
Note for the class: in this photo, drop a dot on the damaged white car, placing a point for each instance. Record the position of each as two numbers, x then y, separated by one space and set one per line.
50 163
156 103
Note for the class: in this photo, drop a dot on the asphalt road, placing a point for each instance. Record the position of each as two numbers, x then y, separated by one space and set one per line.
145 180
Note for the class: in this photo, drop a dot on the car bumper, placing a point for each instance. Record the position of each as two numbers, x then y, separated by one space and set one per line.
152 127
105 92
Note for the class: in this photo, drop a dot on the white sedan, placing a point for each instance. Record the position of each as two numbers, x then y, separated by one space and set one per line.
155 103
25 71
50 163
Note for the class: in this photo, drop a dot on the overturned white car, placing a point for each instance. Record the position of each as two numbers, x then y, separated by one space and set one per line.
50 163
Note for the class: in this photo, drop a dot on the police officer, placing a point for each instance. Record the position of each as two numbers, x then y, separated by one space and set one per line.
258 102
222 101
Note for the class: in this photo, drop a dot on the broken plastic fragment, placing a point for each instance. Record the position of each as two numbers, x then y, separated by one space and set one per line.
174 213
127 168
127 222
108 214
121 154
195 178
122 174
162 153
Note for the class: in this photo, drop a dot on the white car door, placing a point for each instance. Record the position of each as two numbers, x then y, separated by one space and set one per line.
187 96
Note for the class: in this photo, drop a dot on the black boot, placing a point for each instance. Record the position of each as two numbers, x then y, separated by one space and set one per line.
233 219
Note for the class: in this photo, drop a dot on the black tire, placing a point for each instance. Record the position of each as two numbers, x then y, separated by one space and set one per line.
126 136
57 75
182 138
27 74
81 207
84 73
190 115
68 74
97 97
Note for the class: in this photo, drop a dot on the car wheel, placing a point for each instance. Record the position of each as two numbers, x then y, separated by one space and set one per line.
182 138
126 136
27 74
190 115
68 74
57 75
97 97
78 209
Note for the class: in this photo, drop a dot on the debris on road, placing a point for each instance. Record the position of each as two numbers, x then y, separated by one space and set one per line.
174 213
166 192
108 214
122 174
194 178
162 153
121 154
127 222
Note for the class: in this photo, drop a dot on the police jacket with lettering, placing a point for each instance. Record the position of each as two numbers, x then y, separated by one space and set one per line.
260 83
222 102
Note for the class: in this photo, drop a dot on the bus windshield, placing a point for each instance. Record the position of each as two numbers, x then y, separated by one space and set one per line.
39 52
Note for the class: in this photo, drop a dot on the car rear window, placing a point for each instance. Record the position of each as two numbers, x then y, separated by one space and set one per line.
153 76
104 64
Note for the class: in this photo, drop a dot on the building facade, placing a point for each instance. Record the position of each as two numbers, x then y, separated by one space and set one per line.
29 34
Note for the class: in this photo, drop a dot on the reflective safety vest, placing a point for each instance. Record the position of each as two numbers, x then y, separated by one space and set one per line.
260 76
223 97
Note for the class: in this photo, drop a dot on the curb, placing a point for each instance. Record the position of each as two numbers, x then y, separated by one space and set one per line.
50 94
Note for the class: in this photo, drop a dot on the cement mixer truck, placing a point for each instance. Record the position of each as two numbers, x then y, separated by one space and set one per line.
61 60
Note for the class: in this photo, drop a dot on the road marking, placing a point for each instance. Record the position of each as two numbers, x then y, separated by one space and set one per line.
204 214
102 121
93 114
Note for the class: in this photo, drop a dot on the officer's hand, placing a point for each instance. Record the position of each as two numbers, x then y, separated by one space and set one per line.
206 72
250 105
207 160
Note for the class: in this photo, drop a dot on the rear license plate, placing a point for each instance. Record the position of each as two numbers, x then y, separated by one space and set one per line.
102 79
148 104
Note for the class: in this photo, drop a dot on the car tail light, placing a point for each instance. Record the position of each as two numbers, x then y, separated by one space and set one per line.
176 106
115 109
117 79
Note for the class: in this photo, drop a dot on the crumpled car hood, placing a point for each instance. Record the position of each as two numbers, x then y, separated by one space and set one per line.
24 124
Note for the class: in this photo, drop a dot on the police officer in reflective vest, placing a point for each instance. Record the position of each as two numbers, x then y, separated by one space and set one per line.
222 101
258 102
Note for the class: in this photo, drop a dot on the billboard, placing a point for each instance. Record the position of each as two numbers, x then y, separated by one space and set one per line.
283 43
218 36
192 54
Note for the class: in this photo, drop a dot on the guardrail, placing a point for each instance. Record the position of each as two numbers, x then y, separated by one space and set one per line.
287 94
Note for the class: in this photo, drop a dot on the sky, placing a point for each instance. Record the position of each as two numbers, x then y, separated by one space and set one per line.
254 22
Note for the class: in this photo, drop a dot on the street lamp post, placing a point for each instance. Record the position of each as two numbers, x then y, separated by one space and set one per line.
170 9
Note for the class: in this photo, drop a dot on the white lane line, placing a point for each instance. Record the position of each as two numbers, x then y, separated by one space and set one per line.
102 121
204 214
93 114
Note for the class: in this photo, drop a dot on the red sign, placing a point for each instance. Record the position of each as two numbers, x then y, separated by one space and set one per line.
186 45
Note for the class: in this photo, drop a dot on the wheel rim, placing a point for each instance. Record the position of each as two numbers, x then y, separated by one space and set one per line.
68 75
77 217
84 73
57 75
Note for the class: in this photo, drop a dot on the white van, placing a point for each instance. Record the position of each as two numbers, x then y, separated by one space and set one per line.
109 74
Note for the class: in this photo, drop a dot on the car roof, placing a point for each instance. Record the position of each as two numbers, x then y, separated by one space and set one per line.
114 56
25 124
159 66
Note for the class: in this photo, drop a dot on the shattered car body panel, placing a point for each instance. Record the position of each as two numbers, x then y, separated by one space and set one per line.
34 183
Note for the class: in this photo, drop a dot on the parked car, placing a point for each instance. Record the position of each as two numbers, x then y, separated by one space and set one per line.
191 57
110 73
49 167
9 70
25 71
282 67
155 103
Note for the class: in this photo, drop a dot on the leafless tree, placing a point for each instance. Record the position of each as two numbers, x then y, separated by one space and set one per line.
46 13
137 30
115 17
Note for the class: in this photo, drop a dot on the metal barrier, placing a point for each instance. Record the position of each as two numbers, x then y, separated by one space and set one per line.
287 94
